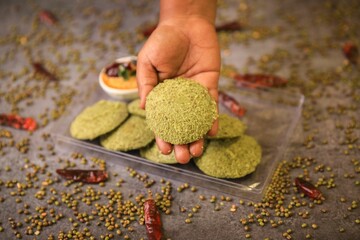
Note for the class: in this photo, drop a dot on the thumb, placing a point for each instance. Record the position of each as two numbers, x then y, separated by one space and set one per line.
146 76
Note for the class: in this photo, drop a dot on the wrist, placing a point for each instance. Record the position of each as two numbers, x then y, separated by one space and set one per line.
188 9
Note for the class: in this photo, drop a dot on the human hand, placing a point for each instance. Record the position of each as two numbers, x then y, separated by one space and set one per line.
185 47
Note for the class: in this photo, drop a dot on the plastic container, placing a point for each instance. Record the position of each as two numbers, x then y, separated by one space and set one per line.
271 117
120 94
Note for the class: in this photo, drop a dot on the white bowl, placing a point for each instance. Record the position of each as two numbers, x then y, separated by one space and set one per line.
121 94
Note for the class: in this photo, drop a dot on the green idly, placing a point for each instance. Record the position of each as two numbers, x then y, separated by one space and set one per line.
132 134
152 153
229 127
98 119
134 108
180 111
230 158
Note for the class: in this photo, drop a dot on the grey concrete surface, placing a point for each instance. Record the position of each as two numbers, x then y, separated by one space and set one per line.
299 40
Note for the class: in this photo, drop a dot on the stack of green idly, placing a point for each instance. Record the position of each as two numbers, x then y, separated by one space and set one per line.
119 127
172 115
230 153
115 126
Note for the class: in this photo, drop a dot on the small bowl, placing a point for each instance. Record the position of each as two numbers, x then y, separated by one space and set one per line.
121 94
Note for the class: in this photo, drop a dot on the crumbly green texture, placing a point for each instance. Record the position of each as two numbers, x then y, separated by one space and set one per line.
98 119
152 153
134 108
230 158
229 127
180 111
132 134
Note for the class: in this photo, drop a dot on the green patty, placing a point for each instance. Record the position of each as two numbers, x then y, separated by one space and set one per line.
152 153
230 158
229 127
98 119
132 134
180 111
134 108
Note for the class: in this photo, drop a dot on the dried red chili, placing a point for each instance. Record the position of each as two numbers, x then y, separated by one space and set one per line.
146 32
351 52
15 121
229 27
230 103
47 17
259 80
86 176
29 124
308 188
152 219
40 69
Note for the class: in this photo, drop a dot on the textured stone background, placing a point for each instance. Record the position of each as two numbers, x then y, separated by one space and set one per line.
299 40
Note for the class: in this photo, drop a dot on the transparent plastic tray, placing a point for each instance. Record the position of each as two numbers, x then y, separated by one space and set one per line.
271 117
